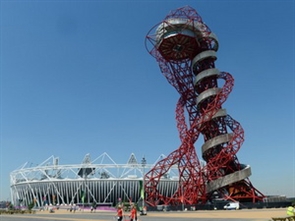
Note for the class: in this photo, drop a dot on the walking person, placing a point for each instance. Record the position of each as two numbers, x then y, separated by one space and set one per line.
291 210
119 213
133 213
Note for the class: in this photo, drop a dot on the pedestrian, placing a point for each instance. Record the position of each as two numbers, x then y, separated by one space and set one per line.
133 213
291 210
119 213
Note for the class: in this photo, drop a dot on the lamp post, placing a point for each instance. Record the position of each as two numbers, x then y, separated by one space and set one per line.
83 195
143 164
182 201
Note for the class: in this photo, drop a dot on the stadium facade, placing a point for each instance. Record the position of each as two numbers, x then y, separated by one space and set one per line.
101 181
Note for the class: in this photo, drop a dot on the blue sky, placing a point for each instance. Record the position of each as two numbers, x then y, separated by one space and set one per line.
76 79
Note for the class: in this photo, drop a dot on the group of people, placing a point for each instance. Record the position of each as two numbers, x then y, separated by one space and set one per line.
132 215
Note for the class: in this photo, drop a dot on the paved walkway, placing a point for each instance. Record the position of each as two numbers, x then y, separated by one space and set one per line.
210 215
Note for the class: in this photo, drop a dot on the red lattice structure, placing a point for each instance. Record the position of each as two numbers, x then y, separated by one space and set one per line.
185 49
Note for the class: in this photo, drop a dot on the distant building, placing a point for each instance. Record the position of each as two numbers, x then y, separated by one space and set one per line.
101 181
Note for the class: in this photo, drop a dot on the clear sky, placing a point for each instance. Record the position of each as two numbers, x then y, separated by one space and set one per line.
76 79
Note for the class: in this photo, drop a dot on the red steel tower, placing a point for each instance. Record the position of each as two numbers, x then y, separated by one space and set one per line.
185 49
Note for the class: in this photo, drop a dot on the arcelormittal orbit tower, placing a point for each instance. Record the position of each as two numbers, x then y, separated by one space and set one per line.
185 49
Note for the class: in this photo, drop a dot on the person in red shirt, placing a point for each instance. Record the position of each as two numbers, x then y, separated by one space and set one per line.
120 213
133 213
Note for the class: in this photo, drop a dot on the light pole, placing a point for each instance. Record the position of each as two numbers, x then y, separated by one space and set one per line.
182 201
143 164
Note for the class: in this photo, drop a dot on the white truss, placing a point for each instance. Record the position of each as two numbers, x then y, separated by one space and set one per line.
103 181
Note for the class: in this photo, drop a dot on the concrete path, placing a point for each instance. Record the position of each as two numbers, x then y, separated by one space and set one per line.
210 215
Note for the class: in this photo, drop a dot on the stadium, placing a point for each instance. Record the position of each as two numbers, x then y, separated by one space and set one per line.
99 182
